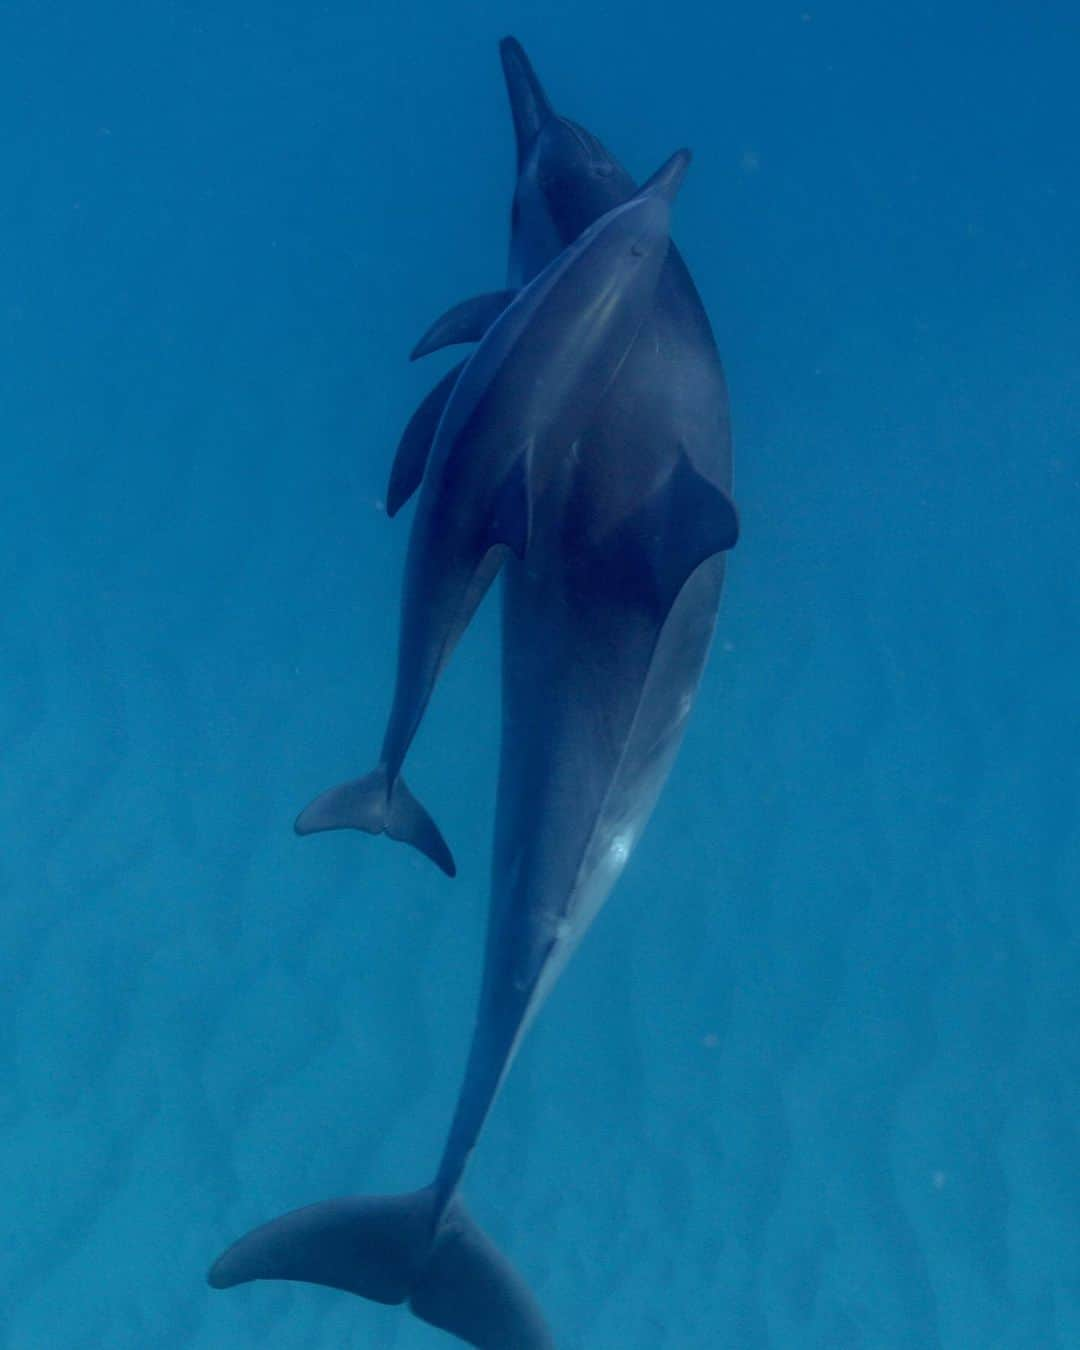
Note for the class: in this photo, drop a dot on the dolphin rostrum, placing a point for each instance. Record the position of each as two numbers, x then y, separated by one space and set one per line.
517 406
605 631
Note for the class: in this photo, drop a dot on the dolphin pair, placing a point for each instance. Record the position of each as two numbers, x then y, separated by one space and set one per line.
606 626
519 403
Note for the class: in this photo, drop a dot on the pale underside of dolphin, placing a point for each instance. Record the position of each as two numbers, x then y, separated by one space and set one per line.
606 627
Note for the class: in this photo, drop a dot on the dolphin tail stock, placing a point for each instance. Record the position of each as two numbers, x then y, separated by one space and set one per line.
376 806
397 1249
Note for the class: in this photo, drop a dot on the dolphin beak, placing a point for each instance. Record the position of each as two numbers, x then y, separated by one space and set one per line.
668 178
528 102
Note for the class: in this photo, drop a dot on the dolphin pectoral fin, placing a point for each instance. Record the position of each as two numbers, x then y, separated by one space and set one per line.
394 1249
511 523
708 510
686 521
366 804
467 322
411 457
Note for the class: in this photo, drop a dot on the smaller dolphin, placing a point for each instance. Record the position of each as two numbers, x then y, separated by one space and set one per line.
515 410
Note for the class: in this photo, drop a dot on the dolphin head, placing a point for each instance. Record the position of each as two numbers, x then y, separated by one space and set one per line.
639 231
566 178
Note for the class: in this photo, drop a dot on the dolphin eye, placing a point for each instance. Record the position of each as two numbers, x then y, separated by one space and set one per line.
602 170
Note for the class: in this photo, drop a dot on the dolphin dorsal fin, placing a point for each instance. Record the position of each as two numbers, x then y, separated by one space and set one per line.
411 457
686 520
466 322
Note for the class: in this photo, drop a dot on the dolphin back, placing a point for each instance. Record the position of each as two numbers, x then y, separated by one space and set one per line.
395 1249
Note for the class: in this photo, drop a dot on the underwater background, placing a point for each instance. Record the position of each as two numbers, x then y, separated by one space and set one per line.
813 1081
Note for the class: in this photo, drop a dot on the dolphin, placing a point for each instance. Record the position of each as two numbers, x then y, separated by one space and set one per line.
517 405
606 625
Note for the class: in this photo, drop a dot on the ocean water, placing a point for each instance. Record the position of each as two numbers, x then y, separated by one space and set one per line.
813 1081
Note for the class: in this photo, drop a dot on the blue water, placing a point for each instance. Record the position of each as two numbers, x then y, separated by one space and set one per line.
812 1082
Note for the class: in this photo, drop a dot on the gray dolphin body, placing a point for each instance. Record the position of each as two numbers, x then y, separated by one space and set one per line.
606 626
517 406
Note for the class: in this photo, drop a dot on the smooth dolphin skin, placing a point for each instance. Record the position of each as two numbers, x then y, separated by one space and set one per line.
606 626
516 409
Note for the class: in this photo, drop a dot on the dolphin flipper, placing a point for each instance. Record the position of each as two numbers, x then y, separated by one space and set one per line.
388 1249
366 804
411 457
687 520
467 322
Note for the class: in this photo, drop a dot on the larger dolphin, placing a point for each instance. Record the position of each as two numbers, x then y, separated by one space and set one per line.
606 627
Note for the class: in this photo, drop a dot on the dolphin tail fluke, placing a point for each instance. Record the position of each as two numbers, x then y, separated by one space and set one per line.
368 804
389 1249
